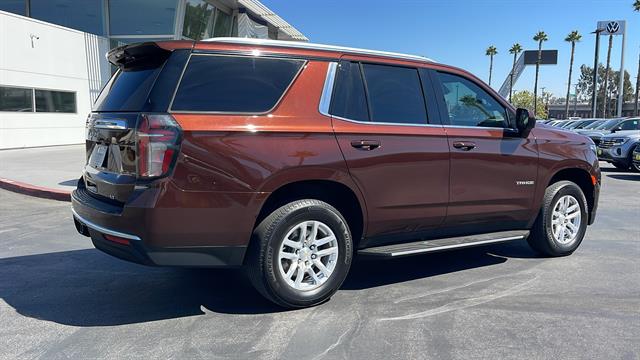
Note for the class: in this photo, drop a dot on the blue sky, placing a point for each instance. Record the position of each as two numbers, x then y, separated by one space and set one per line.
457 32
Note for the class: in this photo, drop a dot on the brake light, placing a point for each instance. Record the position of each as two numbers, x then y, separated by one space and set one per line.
158 138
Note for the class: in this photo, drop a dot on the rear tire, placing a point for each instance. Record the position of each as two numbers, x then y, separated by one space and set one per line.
300 254
562 220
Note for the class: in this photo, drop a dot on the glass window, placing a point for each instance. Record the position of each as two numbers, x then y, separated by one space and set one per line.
629 125
469 105
127 90
83 15
142 17
222 25
394 94
198 14
234 84
349 100
14 6
16 99
55 101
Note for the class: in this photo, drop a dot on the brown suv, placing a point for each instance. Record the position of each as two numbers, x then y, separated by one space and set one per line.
288 158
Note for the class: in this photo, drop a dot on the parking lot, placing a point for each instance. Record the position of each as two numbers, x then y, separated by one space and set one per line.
60 298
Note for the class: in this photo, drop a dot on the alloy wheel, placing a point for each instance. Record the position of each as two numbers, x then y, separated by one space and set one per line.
565 219
308 255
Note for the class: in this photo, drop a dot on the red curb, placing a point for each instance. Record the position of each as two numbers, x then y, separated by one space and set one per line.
33 190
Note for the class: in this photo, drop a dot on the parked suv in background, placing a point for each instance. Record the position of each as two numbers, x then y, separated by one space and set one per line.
608 127
617 148
288 158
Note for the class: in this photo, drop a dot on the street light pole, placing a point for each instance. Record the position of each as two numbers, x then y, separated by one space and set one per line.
594 95
621 82
575 100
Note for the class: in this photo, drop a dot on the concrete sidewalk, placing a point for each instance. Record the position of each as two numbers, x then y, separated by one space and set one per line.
47 171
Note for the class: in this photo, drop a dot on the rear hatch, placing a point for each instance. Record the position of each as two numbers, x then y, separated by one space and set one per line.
130 138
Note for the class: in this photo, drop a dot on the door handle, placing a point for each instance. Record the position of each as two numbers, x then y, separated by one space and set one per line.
464 145
365 144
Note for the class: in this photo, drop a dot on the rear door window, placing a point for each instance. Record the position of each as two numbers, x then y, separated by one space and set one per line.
349 98
234 84
394 94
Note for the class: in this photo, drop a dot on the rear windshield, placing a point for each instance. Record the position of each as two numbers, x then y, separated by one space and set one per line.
235 84
127 90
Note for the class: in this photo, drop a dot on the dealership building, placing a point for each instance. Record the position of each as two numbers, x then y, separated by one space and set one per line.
52 63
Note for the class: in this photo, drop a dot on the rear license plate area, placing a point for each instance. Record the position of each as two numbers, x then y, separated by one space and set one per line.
99 153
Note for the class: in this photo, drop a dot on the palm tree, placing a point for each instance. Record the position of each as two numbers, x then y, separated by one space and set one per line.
573 37
491 52
606 79
515 50
636 5
540 37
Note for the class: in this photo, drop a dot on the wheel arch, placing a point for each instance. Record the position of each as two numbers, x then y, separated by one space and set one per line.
339 195
581 177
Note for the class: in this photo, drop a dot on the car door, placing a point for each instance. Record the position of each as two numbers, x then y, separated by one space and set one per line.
398 158
493 169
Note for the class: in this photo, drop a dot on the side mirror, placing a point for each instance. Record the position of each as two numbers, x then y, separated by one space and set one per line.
617 128
524 122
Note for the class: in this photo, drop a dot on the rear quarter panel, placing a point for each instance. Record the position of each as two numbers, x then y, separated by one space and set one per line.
229 164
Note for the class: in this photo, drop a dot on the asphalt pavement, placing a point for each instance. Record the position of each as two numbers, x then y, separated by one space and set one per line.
61 298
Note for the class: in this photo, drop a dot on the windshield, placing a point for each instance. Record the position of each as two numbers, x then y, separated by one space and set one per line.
607 125
594 124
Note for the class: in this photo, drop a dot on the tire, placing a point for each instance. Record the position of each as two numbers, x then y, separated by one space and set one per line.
635 167
267 270
542 238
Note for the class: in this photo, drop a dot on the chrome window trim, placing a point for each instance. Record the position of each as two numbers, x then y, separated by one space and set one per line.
385 123
101 229
286 90
325 102
327 89
478 127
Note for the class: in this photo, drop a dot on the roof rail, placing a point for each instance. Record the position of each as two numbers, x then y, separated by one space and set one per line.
312 46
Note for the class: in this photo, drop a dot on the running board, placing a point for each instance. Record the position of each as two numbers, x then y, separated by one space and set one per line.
428 246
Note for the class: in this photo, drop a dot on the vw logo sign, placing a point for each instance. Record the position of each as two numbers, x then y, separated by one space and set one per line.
613 27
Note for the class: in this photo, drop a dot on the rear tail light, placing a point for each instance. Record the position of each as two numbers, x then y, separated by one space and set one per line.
158 138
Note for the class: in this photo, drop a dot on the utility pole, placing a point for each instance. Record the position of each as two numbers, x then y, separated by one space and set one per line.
575 100
605 106
594 93
635 107
621 82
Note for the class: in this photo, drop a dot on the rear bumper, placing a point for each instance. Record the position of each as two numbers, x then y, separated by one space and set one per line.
123 232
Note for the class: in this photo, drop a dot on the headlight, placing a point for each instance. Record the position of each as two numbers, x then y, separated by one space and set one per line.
619 141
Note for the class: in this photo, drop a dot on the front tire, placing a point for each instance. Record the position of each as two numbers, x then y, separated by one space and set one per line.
300 254
562 221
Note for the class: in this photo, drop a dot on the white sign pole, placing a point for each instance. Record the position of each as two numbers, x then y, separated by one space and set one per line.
621 83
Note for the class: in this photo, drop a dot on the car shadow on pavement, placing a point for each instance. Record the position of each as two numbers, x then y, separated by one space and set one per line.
88 288
635 177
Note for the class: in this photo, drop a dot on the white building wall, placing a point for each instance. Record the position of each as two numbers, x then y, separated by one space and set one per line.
58 59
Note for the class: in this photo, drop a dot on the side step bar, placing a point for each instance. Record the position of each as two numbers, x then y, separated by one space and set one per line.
428 246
